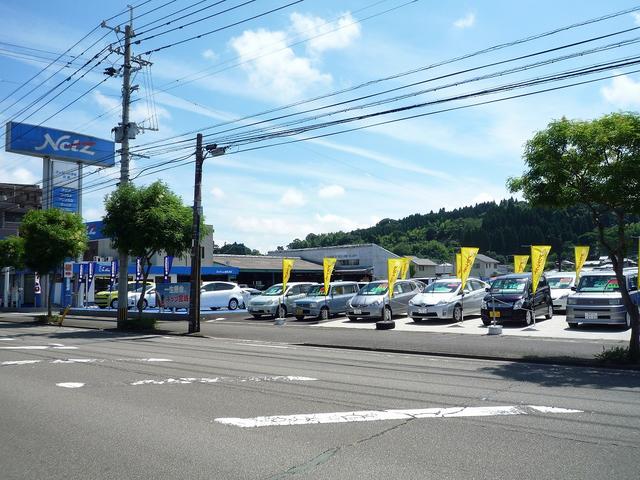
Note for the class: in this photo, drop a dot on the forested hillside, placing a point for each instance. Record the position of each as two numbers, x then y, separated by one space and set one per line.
499 230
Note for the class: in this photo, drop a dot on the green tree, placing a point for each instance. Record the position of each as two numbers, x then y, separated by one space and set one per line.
49 237
146 220
595 164
12 252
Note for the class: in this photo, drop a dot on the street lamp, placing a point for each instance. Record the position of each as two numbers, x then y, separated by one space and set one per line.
196 260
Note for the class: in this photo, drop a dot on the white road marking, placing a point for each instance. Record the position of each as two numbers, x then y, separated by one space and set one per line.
376 415
190 380
260 345
6 339
20 362
39 347
70 385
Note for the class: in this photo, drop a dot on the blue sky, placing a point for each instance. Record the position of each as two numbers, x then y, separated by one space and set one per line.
268 197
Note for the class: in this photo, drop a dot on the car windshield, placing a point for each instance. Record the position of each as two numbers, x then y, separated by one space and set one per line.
509 285
442 287
273 290
374 289
560 282
599 283
132 287
316 291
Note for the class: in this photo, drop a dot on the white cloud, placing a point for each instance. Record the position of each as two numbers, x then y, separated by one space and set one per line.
274 68
465 22
326 35
623 92
139 111
636 17
482 197
19 175
209 54
331 191
293 198
331 223
217 192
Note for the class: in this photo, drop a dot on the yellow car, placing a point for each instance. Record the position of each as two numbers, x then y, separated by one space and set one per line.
108 298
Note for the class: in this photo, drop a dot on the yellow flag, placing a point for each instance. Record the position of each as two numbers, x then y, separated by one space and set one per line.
287 266
406 261
328 264
458 265
519 263
581 256
538 261
394 267
467 257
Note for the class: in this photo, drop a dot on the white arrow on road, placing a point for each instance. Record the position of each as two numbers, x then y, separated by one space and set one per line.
375 415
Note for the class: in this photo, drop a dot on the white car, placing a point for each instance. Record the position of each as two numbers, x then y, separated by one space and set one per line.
442 299
134 295
561 284
229 295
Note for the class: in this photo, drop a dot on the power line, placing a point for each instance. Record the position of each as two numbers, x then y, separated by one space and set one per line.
182 17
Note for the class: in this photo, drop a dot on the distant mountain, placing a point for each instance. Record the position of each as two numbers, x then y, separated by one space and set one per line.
499 230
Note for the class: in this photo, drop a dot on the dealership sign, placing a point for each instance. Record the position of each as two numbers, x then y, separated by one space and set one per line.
41 141
174 295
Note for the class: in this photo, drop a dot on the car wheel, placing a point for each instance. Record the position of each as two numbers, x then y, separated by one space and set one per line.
299 317
281 312
573 324
486 323
114 303
385 325
528 317
233 304
386 314
145 304
457 313
549 314
416 319
353 319
324 313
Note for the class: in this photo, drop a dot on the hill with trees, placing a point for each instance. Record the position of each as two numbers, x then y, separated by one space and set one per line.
498 229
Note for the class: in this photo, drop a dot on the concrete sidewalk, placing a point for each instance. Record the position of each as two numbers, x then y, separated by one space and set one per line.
503 347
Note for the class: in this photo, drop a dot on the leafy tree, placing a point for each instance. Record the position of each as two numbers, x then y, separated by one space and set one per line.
12 252
235 249
595 164
49 237
142 221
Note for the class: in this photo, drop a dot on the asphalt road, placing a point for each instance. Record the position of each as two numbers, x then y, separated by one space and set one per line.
80 404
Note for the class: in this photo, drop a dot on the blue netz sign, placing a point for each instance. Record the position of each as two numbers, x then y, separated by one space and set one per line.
68 146
65 199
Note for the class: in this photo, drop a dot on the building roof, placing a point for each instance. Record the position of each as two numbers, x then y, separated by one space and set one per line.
329 247
262 263
483 258
422 261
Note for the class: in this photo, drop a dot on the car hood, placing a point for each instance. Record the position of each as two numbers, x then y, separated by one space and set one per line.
596 295
306 300
560 292
434 298
262 299
507 298
364 300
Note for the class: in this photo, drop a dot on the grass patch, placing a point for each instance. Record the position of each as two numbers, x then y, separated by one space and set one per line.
617 355
139 324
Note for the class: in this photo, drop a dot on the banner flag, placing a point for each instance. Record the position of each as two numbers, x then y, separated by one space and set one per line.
287 266
467 257
581 256
80 273
138 269
394 267
538 261
90 273
520 263
328 266
406 262
114 273
458 265
168 263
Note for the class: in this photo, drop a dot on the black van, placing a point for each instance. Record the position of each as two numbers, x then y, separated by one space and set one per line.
510 298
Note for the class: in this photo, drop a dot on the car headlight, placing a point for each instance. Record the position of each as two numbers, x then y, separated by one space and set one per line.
413 302
572 301
518 304
483 305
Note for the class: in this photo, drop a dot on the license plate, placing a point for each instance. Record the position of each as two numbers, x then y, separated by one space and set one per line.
357 312
493 314
422 310
591 315
298 311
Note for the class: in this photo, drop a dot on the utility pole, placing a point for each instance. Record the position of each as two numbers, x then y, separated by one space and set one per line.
194 297
196 257
123 133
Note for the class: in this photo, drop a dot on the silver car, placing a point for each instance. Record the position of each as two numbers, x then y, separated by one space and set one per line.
276 303
560 284
598 300
372 301
443 299
317 304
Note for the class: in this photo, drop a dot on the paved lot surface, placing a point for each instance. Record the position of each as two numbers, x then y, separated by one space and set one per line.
83 404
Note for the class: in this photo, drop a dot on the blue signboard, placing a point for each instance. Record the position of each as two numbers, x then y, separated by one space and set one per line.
58 144
94 230
65 199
